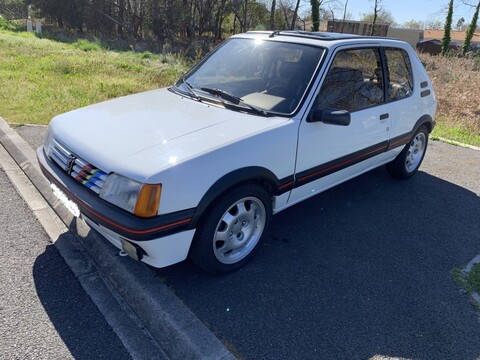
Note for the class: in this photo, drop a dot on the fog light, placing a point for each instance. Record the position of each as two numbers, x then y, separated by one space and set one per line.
134 251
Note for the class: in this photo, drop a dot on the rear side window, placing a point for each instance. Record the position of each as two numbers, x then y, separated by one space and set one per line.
353 82
400 82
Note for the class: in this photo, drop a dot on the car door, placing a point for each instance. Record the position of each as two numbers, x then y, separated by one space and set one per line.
329 154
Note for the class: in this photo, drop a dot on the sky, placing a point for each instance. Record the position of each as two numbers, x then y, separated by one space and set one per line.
405 10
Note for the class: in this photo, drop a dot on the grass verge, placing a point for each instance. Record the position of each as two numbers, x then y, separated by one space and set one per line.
470 281
445 129
41 78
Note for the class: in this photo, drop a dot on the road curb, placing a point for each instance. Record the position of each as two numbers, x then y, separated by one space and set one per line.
456 143
164 317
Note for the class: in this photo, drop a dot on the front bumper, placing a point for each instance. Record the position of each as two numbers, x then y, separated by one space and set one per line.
165 239
160 252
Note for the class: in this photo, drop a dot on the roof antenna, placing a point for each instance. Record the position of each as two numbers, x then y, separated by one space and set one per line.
276 32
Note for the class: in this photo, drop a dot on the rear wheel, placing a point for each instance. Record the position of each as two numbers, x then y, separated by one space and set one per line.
232 229
409 160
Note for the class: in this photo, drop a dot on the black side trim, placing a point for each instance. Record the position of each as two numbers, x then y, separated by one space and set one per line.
405 138
320 171
424 84
425 93
400 140
110 216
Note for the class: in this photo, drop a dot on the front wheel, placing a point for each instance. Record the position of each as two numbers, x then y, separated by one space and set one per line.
409 160
229 235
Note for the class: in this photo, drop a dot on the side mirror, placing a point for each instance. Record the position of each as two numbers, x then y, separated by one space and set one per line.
330 116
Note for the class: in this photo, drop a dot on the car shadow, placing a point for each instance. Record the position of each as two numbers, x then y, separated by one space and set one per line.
362 270
76 319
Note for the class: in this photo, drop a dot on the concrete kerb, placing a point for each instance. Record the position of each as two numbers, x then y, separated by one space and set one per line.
170 323
457 143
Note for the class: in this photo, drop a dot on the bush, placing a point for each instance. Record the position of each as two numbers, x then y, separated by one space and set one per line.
5 24
86 45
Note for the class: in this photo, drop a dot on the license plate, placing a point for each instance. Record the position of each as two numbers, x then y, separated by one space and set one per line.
69 204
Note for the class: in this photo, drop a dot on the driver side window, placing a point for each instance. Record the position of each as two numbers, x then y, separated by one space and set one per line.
353 82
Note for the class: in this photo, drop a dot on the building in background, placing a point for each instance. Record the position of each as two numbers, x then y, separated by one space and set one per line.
353 27
412 36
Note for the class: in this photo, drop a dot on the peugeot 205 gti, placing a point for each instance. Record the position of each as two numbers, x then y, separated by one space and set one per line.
266 120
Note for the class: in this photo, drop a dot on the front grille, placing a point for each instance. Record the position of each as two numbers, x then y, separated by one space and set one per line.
85 173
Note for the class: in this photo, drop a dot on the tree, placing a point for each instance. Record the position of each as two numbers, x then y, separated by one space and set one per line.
434 24
471 30
376 10
272 15
383 17
295 14
315 14
344 14
414 24
447 29
460 23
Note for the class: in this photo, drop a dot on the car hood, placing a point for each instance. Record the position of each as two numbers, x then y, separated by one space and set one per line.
141 134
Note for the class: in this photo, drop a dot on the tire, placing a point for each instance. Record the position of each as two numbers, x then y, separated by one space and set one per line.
409 160
228 236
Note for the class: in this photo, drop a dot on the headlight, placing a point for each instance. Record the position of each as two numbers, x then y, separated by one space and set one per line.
137 198
48 142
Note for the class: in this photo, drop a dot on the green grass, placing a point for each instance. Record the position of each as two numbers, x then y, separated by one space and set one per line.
447 130
469 282
473 279
41 78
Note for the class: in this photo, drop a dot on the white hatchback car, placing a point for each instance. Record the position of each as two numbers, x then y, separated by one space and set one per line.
266 120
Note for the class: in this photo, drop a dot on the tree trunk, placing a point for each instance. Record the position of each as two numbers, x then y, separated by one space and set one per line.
345 14
315 14
272 15
121 16
375 15
294 20
245 9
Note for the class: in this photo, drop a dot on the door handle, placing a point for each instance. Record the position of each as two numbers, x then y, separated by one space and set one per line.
384 116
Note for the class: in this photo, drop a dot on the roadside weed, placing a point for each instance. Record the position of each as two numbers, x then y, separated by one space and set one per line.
473 278
469 281
447 130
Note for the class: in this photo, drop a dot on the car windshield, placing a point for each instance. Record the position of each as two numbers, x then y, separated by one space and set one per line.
260 75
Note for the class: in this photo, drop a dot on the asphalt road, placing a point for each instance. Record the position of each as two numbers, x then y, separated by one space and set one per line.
361 271
44 312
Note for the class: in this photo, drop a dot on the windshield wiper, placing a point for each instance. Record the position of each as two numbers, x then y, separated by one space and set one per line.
223 94
233 99
190 89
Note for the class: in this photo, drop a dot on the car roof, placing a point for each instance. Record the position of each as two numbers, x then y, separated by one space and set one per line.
325 39
328 36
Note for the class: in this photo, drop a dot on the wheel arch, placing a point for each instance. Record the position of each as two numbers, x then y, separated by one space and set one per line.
426 120
255 174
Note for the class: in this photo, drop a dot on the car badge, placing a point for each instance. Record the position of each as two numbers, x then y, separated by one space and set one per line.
71 164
